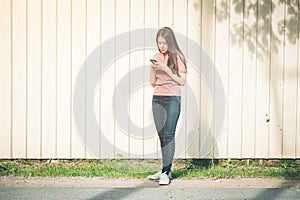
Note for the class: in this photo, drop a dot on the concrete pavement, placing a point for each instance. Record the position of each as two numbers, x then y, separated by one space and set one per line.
125 189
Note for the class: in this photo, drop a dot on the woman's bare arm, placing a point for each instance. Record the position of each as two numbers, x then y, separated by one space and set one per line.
152 76
181 80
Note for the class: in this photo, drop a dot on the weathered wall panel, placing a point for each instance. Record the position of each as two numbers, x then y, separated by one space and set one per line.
74 78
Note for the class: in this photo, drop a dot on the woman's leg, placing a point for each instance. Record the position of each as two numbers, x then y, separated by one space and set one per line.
166 111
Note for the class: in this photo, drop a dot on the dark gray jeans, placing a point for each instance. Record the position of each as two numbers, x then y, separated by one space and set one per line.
166 111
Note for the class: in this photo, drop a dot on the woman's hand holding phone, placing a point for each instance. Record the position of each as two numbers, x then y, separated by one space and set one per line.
155 64
153 61
158 66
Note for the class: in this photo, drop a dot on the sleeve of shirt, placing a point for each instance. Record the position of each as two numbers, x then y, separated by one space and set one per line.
181 66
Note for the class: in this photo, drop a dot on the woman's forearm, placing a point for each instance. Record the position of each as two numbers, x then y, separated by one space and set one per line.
152 77
181 80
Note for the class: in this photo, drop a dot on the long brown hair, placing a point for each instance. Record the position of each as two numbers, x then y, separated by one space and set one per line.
173 48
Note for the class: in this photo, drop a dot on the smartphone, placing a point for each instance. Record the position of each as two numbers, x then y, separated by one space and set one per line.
153 61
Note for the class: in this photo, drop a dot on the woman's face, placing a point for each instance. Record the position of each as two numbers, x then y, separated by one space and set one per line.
162 44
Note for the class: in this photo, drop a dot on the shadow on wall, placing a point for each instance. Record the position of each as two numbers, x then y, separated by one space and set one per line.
268 31
262 11
202 144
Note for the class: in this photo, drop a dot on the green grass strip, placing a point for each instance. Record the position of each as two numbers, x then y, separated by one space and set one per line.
119 168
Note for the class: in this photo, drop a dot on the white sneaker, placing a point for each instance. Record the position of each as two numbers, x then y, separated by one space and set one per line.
157 175
164 179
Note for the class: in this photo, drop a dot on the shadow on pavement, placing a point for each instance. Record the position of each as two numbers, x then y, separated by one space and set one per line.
121 193
281 192
116 193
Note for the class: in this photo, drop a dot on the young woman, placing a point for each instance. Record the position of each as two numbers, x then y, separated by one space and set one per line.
167 75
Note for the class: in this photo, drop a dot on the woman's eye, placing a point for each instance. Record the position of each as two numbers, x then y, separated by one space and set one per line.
162 43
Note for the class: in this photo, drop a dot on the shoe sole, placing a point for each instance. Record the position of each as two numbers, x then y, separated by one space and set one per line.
153 179
157 179
165 183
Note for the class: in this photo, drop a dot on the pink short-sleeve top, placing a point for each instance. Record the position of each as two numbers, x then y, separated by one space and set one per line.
165 85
